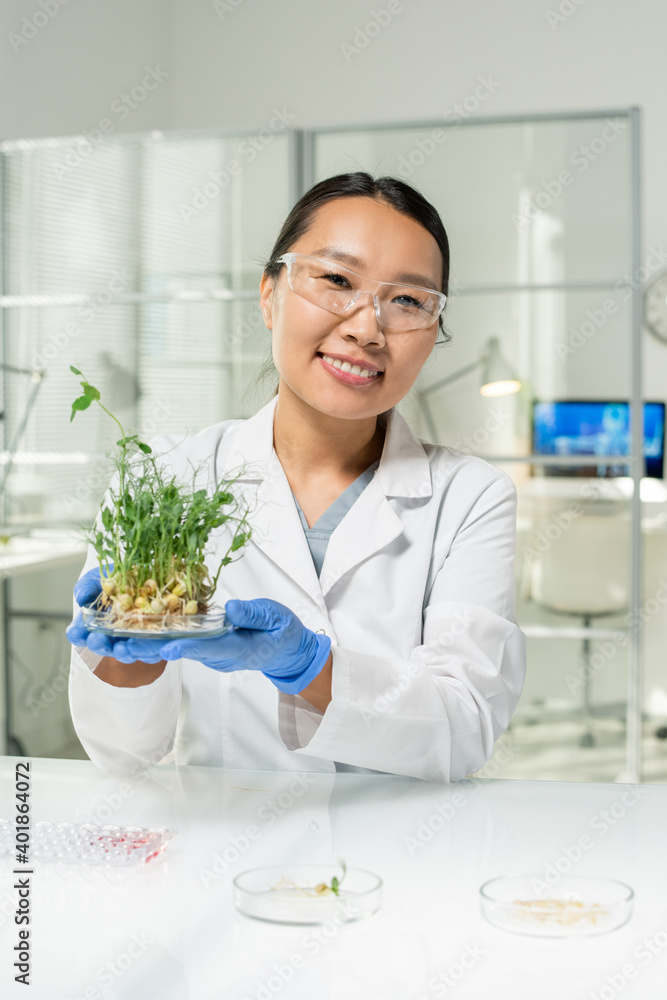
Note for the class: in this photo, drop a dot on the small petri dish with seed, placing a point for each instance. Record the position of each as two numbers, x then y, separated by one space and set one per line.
302 894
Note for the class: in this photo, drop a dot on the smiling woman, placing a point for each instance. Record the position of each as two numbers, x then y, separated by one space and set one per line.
377 592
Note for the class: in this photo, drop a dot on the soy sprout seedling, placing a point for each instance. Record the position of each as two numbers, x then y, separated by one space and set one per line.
153 531
321 889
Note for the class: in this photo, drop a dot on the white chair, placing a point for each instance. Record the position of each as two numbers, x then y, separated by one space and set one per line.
580 567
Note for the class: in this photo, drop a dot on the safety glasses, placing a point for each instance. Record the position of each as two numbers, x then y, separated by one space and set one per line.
337 289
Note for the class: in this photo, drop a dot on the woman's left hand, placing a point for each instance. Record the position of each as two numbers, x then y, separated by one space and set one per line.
267 637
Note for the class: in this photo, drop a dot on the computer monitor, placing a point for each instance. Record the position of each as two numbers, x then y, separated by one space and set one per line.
592 427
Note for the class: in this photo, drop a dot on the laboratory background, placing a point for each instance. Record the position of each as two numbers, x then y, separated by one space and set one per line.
149 153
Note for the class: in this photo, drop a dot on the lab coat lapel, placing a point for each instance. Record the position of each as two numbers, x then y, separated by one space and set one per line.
375 520
370 525
274 518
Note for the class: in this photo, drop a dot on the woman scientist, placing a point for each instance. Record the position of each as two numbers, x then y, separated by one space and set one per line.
374 605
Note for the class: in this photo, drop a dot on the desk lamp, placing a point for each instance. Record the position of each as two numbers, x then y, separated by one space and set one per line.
497 379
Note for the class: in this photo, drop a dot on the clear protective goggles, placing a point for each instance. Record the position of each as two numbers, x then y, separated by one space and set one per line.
326 284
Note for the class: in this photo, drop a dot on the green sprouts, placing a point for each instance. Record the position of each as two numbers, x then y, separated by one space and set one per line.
324 890
321 889
153 531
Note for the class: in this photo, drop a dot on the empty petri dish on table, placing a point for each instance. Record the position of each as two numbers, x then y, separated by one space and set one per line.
293 894
574 906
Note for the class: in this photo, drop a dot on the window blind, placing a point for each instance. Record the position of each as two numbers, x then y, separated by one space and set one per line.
133 263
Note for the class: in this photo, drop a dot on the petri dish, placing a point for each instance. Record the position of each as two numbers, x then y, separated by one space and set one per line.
575 906
131 624
286 894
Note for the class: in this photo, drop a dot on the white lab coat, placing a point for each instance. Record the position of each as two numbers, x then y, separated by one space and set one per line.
416 593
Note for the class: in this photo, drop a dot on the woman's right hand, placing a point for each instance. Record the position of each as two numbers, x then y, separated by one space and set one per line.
113 668
86 589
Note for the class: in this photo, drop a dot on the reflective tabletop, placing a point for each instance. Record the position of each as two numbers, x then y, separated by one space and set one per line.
168 929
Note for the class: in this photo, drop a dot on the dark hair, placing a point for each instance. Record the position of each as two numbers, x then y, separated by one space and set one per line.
394 192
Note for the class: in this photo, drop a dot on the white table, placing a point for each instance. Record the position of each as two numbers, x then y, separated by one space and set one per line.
41 549
176 913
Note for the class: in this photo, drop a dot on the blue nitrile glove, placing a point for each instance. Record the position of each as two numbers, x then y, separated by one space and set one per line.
267 637
86 589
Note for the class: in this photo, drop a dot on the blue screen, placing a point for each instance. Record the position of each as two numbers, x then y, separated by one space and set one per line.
571 427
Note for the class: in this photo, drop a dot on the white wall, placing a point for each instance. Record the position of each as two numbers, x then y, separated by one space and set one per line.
89 53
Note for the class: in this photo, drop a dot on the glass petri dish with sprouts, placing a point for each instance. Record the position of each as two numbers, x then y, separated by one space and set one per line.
307 894
129 625
153 539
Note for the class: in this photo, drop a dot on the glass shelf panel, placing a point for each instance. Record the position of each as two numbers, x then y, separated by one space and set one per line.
531 202
139 217
560 345
134 209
